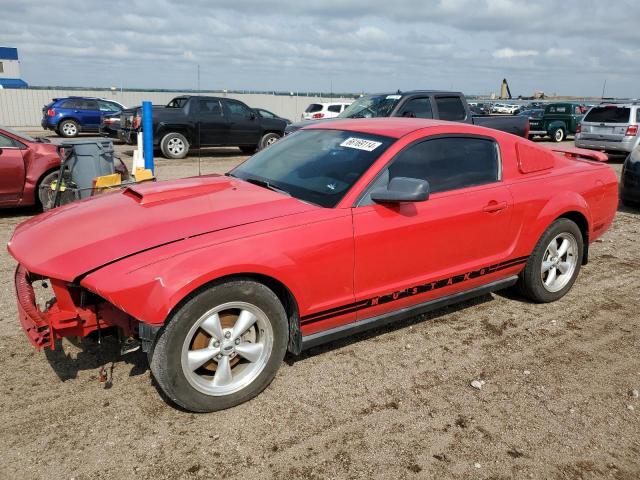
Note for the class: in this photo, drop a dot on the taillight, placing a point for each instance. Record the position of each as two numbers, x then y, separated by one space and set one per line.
578 128
51 112
318 115
632 131
136 122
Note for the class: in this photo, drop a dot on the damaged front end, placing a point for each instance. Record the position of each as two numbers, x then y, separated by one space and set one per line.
73 312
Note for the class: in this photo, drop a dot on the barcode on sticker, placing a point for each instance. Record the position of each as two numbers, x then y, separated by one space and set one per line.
360 144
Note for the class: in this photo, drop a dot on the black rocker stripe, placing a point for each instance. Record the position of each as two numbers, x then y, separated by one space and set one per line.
408 292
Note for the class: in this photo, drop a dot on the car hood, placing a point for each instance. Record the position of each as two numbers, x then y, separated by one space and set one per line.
72 240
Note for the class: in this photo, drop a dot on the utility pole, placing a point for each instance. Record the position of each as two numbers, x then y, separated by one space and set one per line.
198 77
603 87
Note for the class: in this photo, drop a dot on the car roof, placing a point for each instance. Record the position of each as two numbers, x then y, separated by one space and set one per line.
394 127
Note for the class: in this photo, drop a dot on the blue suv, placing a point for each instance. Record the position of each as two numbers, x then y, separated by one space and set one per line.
71 115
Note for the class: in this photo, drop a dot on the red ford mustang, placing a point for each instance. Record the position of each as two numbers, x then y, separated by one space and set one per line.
25 163
337 228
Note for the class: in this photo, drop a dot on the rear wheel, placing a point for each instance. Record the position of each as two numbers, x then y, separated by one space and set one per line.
68 128
174 145
554 264
222 347
558 135
268 139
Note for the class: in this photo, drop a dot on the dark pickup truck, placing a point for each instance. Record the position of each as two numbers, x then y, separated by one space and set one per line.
198 121
440 105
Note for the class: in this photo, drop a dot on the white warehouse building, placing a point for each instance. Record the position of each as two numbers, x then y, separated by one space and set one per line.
10 69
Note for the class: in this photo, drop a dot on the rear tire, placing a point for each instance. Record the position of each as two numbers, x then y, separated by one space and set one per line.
268 139
553 267
174 146
558 135
68 128
222 347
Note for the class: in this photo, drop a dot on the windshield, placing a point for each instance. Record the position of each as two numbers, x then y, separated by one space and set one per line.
21 135
371 106
315 166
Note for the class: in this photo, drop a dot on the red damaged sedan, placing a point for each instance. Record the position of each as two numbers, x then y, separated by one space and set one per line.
340 227
25 164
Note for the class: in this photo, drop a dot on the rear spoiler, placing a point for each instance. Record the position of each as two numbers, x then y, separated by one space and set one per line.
581 153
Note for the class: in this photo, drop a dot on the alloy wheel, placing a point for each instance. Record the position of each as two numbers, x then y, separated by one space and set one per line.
175 146
559 262
69 129
227 348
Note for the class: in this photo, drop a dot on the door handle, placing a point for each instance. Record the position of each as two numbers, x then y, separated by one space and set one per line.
494 206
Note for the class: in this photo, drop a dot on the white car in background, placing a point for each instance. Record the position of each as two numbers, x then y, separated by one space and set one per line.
504 108
316 111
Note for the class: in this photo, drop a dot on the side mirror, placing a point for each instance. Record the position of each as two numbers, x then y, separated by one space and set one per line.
409 114
0 151
402 189
253 115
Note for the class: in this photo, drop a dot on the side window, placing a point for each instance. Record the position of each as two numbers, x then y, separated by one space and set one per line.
6 142
108 106
87 105
334 108
91 105
449 163
450 108
266 114
210 106
236 108
638 115
70 104
418 108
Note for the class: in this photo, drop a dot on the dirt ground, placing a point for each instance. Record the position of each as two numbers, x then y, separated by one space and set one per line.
557 401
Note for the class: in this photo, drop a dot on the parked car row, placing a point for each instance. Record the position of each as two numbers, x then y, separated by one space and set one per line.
211 121
432 104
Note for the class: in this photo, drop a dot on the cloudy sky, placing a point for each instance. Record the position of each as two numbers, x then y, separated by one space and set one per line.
568 47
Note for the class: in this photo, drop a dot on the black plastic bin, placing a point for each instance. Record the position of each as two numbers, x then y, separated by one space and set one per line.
88 159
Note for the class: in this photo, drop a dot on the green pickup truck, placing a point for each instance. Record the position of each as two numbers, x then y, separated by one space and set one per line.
558 121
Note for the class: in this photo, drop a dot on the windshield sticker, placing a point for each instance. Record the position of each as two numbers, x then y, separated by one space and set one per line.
393 97
360 144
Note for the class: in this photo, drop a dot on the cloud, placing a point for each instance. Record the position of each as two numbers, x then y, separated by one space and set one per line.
354 45
511 53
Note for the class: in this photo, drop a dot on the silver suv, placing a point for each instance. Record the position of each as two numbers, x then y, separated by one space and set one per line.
612 127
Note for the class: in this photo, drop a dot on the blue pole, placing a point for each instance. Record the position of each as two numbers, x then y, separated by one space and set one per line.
147 135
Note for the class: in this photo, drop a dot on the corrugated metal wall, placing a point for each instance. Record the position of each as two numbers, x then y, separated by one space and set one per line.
23 108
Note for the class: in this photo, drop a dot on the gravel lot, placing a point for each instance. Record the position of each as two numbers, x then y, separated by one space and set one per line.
557 401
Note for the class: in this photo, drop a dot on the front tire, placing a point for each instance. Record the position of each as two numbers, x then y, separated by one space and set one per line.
558 135
553 267
174 146
222 347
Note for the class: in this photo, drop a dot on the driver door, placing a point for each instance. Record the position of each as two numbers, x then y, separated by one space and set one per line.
12 172
403 250
244 126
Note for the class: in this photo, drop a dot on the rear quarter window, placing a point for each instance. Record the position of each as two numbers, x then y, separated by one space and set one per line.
69 104
609 114
450 108
314 107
